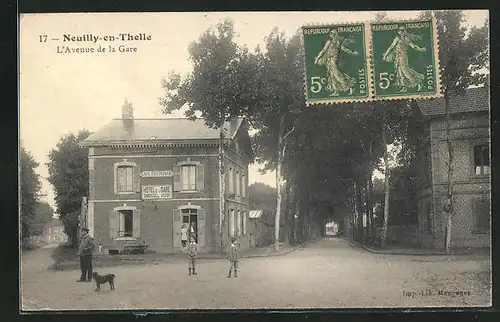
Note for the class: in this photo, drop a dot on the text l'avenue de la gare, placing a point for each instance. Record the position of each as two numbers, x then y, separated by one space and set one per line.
89 43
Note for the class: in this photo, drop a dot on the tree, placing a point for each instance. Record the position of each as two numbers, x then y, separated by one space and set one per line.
217 88
68 173
30 188
262 196
463 54
228 81
281 95
43 214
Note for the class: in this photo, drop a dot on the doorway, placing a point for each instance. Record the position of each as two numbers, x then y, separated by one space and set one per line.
190 219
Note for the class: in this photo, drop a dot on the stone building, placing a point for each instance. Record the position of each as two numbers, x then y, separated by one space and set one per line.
148 177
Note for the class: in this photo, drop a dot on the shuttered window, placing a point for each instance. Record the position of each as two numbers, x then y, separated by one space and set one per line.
125 223
231 223
238 183
231 181
481 212
238 223
243 185
482 160
127 178
189 176
244 222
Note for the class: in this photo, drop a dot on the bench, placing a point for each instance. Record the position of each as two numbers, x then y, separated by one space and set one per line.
134 249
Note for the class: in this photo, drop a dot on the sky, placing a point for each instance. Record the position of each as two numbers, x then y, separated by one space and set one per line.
62 93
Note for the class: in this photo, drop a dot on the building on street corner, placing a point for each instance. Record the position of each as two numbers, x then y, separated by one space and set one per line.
469 131
149 177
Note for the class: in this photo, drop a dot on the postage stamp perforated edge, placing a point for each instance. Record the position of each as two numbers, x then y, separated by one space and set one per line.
367 64
435 54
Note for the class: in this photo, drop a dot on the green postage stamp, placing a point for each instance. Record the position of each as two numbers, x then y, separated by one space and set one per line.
405 59
335 62
366 62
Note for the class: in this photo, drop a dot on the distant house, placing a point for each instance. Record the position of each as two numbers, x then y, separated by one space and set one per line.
148 177
261 227
471 171
53 232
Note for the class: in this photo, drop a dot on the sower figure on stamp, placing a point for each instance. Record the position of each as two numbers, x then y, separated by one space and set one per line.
192 254
397 53
233 258
329 56
85 252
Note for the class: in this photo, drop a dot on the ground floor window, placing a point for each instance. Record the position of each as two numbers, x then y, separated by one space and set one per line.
126 223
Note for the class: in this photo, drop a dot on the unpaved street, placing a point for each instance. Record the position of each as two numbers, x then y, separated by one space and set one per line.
327 274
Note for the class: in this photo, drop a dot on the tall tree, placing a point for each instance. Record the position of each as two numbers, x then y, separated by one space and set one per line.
228 81
68 173
282 100
463 54
30 188
217 88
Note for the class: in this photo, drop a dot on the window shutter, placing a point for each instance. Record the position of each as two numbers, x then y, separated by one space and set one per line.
201 227
244 219
177 225
230 224
177 177
200 177
475 211
137 178
238 183
137 223
243 185
115 176
113 224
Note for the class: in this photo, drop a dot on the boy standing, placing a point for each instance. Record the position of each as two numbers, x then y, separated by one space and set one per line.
233 258
192 253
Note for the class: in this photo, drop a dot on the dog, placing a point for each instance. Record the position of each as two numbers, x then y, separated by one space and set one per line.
103 279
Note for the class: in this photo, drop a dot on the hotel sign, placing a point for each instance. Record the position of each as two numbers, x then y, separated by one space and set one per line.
157 174
157 192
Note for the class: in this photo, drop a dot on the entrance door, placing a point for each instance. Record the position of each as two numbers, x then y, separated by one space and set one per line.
190 219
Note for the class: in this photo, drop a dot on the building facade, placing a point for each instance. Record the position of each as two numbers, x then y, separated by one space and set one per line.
470 137
149 177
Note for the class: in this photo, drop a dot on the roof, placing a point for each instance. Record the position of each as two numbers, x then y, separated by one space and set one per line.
255 214
474 99
161 129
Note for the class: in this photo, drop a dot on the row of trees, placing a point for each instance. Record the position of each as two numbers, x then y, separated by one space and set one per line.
34 212
69 175
324 157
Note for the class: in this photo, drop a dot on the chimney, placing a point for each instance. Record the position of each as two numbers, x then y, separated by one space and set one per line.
127 111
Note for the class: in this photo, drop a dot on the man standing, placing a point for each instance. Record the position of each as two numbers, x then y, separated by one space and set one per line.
85 252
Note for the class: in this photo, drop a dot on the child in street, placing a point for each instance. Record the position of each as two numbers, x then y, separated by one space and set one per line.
233 258
192 253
